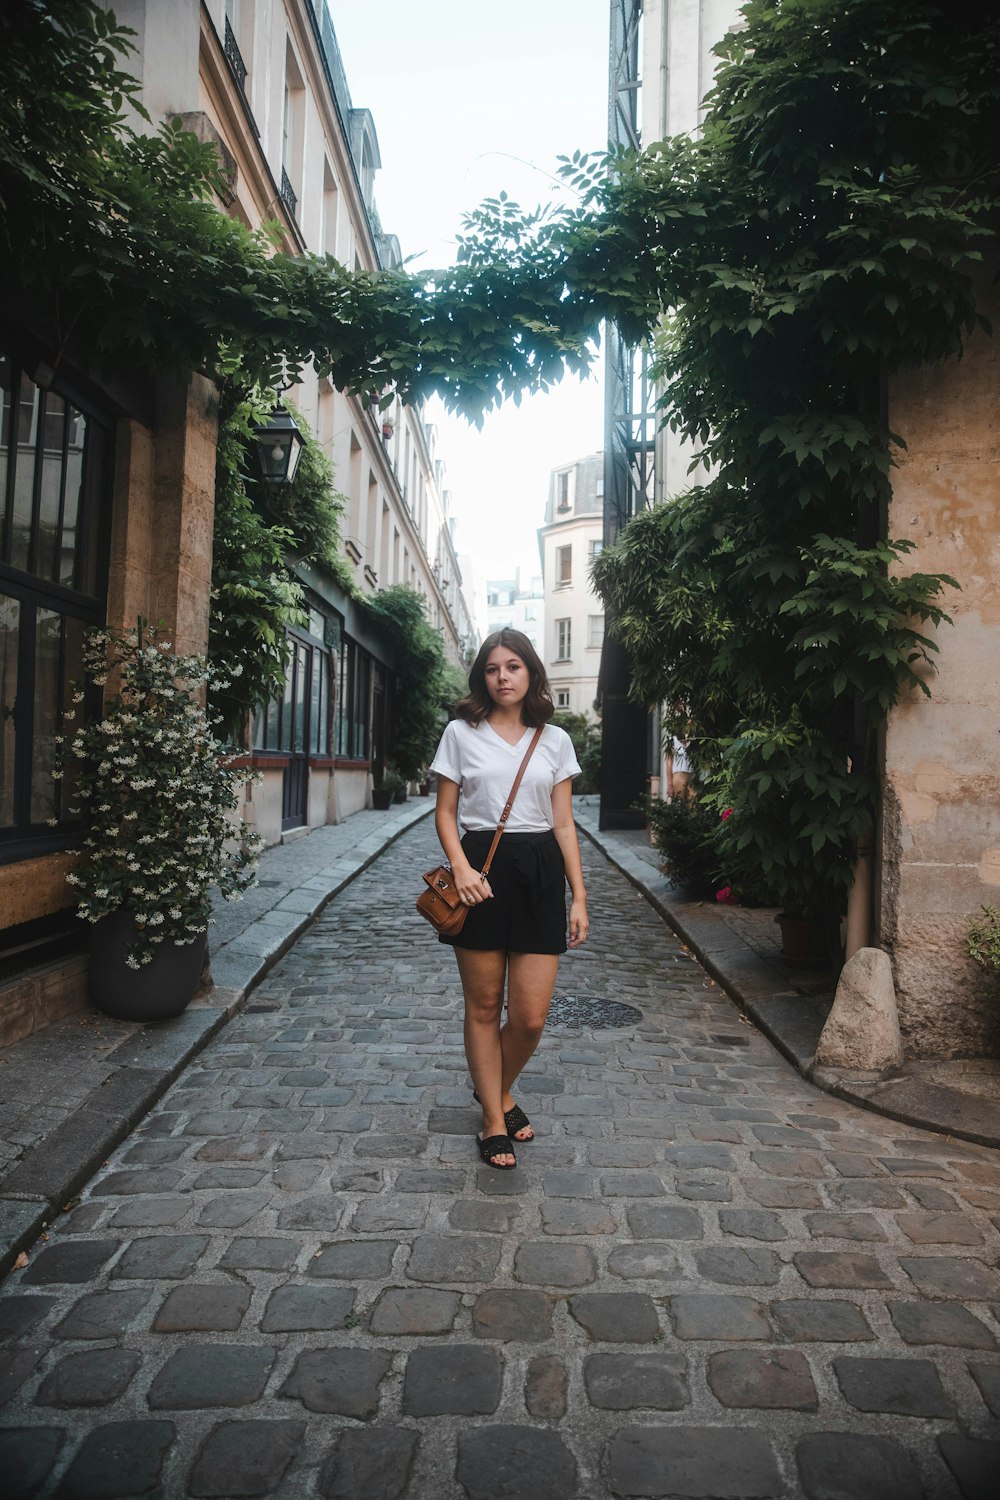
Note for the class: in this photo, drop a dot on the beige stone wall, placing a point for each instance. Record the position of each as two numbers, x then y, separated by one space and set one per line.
941 824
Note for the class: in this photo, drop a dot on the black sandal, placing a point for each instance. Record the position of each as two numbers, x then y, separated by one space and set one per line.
494 1146
515 1119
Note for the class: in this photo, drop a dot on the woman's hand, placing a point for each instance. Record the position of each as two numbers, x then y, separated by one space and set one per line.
579 924
470 885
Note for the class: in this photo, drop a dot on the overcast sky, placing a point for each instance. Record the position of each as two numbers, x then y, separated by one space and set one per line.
470 99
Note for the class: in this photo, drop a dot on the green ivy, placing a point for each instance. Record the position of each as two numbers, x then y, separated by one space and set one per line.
424 683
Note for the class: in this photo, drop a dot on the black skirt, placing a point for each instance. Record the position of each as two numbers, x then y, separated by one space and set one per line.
527 913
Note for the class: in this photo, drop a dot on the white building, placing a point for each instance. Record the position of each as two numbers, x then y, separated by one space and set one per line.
510 605
569 541
264 80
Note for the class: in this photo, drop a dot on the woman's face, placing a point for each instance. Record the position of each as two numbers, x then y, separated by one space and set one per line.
507 677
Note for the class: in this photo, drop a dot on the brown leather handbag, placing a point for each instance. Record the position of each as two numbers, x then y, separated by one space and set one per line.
440 903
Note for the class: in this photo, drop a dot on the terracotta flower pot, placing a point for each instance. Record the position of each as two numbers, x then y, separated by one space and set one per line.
804 940
158 990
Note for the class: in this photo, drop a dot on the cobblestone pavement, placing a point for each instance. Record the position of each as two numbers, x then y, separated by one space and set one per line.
704 1279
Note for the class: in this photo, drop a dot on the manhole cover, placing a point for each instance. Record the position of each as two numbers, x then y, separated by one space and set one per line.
589 1011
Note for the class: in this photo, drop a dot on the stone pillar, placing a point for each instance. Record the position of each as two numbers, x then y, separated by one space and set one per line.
940 839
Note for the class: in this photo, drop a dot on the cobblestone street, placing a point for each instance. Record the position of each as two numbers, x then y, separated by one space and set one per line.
706 1278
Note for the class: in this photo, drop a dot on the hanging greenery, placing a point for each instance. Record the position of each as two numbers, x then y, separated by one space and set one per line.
424 681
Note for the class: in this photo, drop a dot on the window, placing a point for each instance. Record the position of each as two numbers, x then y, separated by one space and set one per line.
564 566
563 639
354 702
562 492
562 698
595 630
54 478
328 237
292 131
298 722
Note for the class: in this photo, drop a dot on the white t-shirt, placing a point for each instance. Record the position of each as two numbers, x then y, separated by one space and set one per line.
484 766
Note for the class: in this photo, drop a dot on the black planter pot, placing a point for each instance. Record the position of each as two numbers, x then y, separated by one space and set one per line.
399 796
381 798
159 990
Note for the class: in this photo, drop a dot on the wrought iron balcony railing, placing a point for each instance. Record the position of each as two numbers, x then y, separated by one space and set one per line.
287 193
234 57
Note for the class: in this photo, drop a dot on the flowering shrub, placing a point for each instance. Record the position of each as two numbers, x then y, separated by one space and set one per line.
155 794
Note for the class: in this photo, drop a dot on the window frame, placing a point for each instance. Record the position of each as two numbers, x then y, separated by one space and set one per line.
564 565
564 638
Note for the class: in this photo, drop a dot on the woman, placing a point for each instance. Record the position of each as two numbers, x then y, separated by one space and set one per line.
516 926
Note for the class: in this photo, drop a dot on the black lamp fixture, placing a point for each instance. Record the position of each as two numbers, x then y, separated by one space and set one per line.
279 447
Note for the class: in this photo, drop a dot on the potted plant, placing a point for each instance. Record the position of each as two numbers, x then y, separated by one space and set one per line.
394 782
157 797
381 795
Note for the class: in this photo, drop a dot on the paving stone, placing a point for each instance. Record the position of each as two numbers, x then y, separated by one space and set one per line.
150 1213
542 1264
495 1218
545 1388
26 1458
987 1377
515 1463
369 1465
244 1458
738 1265
117 1460
656 1222
564 1184
72 1263
697 1315
635 1382
201 1375
772 1194
429 1180
92 1377
840 1268
16 1364
864 1194
167 1257
235 1148
632 1185
202 1309
702 1155
298 1176
910 1167
933 1198
455 1379
620 1154
443 1258
322 1213
849 1466
307 1309
788 1164
751 1224
513 1316
377 1215
260 1254
84 1219
408 1311
692 1461
505 1184
577 1216
616 1317
940 1323
699 1190
841 1226
354 1260
102 1315
973 1462
18 1314
939 1229
809 1320
392 1147
769 1379
233 1210
153 1180
947 1276
909 1387
643 1262
344 1381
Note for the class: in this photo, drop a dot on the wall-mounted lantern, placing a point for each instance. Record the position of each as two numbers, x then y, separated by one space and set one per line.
279 447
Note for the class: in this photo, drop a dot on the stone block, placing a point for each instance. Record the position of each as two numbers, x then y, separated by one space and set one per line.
646 1261
949 1276
512 1316
354 1260
244 1458
577 1216
940 1323
692 1461
751 1224
541 1264
367 1465
511 1463
343 1381
974 1463
652 1221
202 1309
167 1257
93 1377
306 1309
29 1453
862 1029
102 1315
452 1380
117 1460
405 1311
807 1320
768 1379
18 1314
699 1316
445 1258
908 1387
260 1254
72 1263
840 1269
545 1388
849 1466
636 1382
204 1375
616 1317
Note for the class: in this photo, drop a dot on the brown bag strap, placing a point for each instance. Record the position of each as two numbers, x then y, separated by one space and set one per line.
510 801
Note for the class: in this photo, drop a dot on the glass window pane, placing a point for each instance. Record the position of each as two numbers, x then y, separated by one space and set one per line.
6 377
10 633
48 682
24 476
53 431
72 677
88 522
301 690
288 697
270 740
71 504
257 739
316 704
323 740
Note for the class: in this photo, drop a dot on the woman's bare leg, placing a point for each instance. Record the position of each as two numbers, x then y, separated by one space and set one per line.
531 978
483 977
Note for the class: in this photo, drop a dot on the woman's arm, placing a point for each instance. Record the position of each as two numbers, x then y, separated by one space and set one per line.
470 884
565 831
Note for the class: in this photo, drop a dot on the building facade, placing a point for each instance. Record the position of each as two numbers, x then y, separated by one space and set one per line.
569 540
107 484
510 605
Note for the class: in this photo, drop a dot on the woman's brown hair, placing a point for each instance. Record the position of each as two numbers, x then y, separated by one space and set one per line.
536 706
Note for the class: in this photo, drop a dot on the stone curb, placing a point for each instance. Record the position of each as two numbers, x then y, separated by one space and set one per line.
49 1175
794 1022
